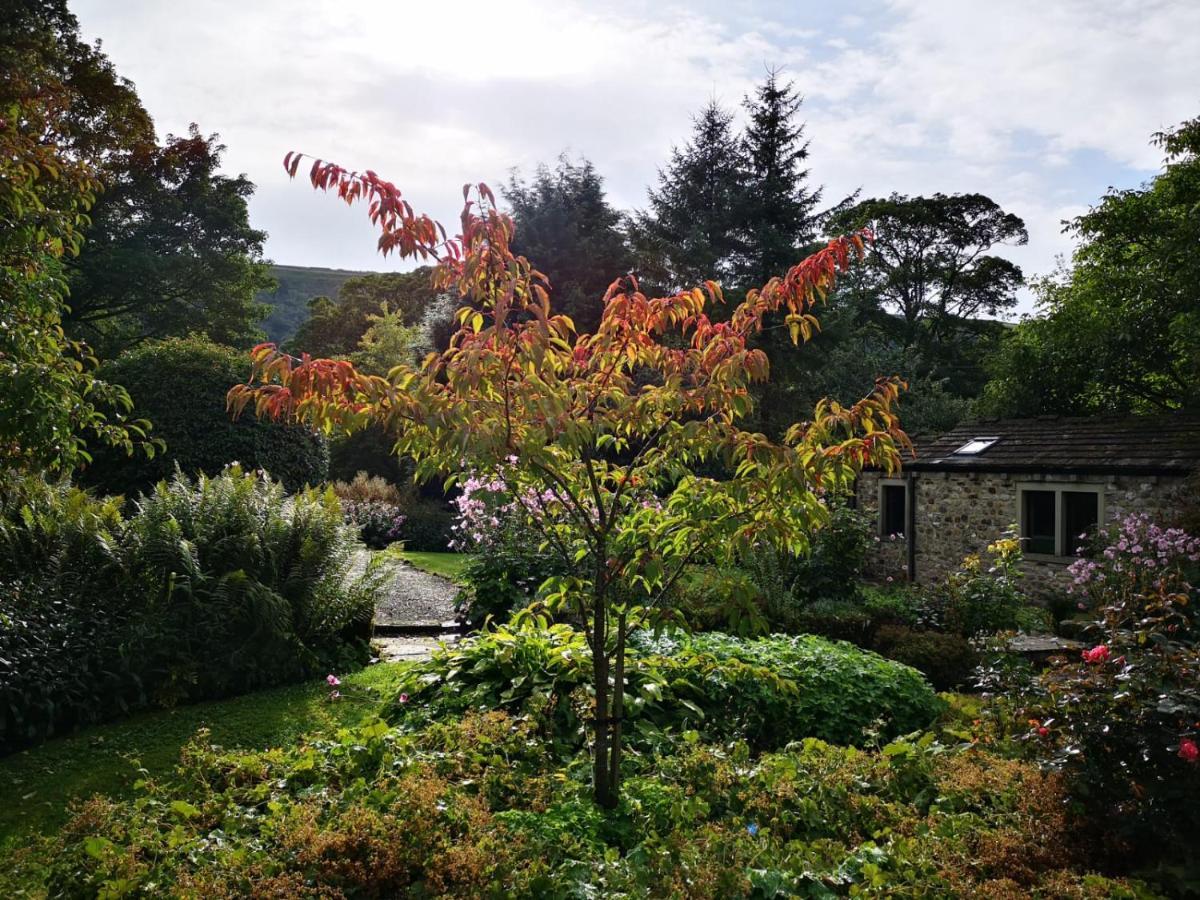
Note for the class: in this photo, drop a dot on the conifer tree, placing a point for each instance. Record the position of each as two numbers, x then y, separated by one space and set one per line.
691 230
779 209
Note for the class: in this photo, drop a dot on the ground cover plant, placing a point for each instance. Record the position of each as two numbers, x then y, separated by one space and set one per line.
210 587
598 433
486 803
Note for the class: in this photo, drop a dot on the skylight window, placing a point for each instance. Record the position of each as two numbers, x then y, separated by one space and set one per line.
975 446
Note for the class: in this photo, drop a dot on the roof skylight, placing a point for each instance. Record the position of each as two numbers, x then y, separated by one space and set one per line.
975 446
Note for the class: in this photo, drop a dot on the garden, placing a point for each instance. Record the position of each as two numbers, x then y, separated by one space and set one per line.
669 674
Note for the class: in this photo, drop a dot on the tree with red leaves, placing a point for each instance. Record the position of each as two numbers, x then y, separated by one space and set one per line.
601 435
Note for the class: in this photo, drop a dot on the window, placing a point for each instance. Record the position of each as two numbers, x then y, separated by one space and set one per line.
893 499
1053 516
975 446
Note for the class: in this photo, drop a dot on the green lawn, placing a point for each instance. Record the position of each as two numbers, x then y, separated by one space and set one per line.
448 565
36 785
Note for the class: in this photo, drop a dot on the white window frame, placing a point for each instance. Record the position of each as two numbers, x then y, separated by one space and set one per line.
1058 488
885 483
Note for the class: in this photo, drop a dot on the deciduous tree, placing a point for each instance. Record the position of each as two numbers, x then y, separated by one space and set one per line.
1120 330
598 433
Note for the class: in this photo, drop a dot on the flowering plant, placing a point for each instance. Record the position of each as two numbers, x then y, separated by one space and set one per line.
1122 719
378 523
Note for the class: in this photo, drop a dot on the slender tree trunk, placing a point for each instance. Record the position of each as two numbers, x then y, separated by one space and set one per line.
601 781
618 710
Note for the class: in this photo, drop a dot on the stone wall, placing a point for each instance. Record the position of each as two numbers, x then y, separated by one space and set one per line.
958 513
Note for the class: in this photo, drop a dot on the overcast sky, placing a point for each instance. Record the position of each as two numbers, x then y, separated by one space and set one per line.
1040 105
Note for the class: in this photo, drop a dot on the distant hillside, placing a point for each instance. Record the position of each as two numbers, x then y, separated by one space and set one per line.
289 302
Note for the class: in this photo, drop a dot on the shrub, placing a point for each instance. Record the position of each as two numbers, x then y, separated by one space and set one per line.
209 588
1123 722
507 564
831 571
480 807
180 385
364 488
975 600
947 660
767 692
428 524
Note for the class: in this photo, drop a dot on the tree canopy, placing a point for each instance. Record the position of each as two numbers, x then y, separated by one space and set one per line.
1120 330
170 251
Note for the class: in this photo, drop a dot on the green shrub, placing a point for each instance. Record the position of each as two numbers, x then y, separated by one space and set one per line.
480 807
976 600
209 588
179 385
767 692
428 524
839 620
831 571
947 660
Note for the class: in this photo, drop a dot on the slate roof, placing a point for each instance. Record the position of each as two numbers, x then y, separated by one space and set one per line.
1129 445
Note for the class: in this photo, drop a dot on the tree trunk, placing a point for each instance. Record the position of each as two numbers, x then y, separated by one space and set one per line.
602 790
618 711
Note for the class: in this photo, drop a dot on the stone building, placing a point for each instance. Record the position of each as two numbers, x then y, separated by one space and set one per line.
1052 478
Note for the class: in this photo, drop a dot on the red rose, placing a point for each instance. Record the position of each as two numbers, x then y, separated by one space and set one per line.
1188 751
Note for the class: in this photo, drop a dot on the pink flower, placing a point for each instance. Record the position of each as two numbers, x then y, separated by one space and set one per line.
404 698
1098 654
1043 730
333 680
1188 751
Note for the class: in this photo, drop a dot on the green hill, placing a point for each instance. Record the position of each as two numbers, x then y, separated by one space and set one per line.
289 302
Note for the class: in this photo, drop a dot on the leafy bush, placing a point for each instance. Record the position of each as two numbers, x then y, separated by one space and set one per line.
975 600
831 571
947 660
767 692
507 564
428 524
1123 722
210 588
364 488
180 385
481 806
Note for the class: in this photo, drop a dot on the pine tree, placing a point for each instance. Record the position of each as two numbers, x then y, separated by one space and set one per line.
691 230
779 211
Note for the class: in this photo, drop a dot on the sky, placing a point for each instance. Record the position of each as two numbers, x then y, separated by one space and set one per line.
1041 105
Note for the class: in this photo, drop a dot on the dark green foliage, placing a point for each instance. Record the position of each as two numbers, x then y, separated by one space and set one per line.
779 210
1120 331
169 251
208 589
428 523
767 692
180 385
947 660
566 225
830 572
295 286
692 230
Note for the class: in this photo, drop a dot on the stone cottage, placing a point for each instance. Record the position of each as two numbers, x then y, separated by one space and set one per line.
1054 478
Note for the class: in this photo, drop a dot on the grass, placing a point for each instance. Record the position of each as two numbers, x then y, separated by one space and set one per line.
38 784
448 565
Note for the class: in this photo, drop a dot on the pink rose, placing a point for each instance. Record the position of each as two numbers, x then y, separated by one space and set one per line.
333 680
404 698
1095 656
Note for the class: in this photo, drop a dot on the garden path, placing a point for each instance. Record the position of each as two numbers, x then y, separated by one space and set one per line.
415 611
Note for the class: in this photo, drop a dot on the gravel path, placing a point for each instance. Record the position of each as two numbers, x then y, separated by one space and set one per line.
411 597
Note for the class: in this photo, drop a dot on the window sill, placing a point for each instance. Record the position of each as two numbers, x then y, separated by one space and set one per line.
1050 558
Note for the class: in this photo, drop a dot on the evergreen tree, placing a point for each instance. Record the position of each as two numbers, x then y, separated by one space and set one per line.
564 221
691 231
779 210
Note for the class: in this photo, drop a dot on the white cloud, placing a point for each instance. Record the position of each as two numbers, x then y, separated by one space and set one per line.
941 95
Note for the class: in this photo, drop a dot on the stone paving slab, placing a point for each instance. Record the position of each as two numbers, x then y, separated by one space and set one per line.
410 647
